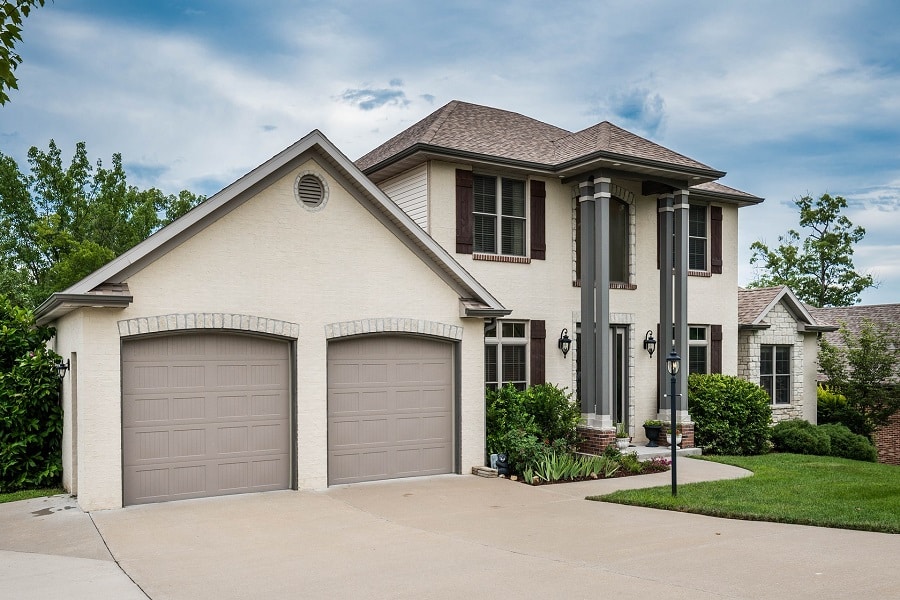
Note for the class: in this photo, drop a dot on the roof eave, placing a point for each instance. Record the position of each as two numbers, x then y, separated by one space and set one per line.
622 162
738 199
60 304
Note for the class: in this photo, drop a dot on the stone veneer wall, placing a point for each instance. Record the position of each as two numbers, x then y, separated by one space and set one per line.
782 332
887 440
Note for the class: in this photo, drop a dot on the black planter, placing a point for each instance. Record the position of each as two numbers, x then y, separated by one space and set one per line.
652 432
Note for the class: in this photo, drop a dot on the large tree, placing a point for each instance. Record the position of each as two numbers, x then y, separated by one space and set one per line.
12 13
59 223
817 266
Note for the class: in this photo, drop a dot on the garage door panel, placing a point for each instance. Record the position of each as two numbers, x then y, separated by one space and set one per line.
233 436
396 418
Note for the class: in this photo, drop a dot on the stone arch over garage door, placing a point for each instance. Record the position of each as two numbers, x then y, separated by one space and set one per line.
392 406
205 411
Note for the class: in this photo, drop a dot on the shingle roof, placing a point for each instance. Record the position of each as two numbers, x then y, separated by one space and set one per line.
884 315
755 304
499 133
717 189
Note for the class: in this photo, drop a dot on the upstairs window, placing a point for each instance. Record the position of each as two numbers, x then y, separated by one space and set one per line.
697 238
499 215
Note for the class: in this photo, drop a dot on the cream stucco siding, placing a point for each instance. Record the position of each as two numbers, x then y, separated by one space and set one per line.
543 289
270 258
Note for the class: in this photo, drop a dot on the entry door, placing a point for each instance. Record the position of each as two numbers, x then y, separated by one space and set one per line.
618 358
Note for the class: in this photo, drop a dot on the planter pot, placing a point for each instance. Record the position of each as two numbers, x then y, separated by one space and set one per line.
652 432
622 443
677 439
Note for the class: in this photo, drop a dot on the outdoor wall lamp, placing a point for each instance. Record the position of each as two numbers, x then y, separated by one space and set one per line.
649 343
564 342
62 367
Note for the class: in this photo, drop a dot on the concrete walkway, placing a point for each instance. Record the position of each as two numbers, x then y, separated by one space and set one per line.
464 537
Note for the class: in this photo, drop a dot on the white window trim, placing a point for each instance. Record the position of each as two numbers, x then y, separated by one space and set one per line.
775 374
706 239
498 215
499 341
698 343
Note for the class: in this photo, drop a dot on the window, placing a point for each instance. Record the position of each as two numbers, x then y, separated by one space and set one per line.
619 246
697 238
505 354
775 372
698 346
499 223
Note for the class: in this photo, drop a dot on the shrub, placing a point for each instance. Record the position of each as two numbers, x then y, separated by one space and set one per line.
800 437
526 425
832 407
731 416
30 414
846 444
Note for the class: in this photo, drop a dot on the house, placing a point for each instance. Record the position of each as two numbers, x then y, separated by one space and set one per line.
320 322
297 329
882 316
565 229
778 344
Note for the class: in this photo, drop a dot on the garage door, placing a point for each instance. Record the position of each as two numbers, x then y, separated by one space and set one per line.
204 414
390 408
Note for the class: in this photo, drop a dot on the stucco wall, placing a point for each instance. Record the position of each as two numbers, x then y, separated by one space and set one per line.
544 289
274 259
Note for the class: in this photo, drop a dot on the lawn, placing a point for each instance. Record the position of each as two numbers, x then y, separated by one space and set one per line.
27 494
788 488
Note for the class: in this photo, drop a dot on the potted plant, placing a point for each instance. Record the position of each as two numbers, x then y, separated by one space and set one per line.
622 437
678 434
652 427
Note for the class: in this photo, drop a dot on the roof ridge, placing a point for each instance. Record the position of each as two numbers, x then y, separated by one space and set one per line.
436 125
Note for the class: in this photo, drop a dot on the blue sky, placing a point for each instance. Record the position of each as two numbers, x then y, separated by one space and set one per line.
789 97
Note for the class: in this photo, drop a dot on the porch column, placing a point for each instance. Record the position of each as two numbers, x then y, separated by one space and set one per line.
603 364
587 349
682 213
665 206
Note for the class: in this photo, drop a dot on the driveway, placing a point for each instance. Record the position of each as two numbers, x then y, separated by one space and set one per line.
468 537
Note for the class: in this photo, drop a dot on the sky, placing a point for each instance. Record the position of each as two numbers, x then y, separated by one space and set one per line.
790 98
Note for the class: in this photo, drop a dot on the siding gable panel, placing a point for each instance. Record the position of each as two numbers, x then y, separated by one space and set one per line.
409 191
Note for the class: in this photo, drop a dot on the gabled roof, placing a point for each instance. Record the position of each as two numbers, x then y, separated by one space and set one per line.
103 286
853 317
716 191
470 131
754 306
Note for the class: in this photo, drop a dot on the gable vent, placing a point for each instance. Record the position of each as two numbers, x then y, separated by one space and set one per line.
311 191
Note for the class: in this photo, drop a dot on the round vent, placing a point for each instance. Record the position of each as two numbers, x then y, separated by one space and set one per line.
311 191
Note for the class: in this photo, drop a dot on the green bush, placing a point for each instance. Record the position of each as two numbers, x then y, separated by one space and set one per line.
526 425
731 416
800 437
832 407
30 414
846 444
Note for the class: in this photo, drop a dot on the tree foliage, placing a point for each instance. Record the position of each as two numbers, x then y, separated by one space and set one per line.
818 266
865 371
58 223
30 414
12 13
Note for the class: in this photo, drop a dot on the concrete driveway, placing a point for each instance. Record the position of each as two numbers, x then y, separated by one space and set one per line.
468 537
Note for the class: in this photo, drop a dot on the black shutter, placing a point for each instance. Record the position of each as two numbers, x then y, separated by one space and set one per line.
715 239
538 235
538 343
715 348
464 207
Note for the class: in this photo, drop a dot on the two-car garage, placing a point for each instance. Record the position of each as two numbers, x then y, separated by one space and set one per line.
210 413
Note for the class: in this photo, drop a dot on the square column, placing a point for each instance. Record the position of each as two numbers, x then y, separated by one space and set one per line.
682 233
587 348
665 206
603 364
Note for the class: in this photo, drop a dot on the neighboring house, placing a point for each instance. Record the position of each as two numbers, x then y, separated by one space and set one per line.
884 316
297 329
778 349
557 223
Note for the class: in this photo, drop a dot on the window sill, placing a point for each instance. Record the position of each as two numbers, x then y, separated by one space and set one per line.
699 274
524 260
613 285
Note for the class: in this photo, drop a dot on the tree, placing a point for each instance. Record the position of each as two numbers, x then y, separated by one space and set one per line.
866 371
819 269
58 224
12 15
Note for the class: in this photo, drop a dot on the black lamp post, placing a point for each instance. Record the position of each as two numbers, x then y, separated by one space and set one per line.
673 363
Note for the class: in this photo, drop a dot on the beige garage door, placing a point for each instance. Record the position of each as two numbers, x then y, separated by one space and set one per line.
390 408
204 414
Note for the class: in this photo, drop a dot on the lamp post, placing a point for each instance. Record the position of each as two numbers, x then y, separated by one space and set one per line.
673 363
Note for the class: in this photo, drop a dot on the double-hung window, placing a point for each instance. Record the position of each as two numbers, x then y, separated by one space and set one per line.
698 238
499 211
698 346
775 372
505 354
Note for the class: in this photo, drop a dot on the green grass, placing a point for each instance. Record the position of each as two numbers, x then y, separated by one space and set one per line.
788 488
27 494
